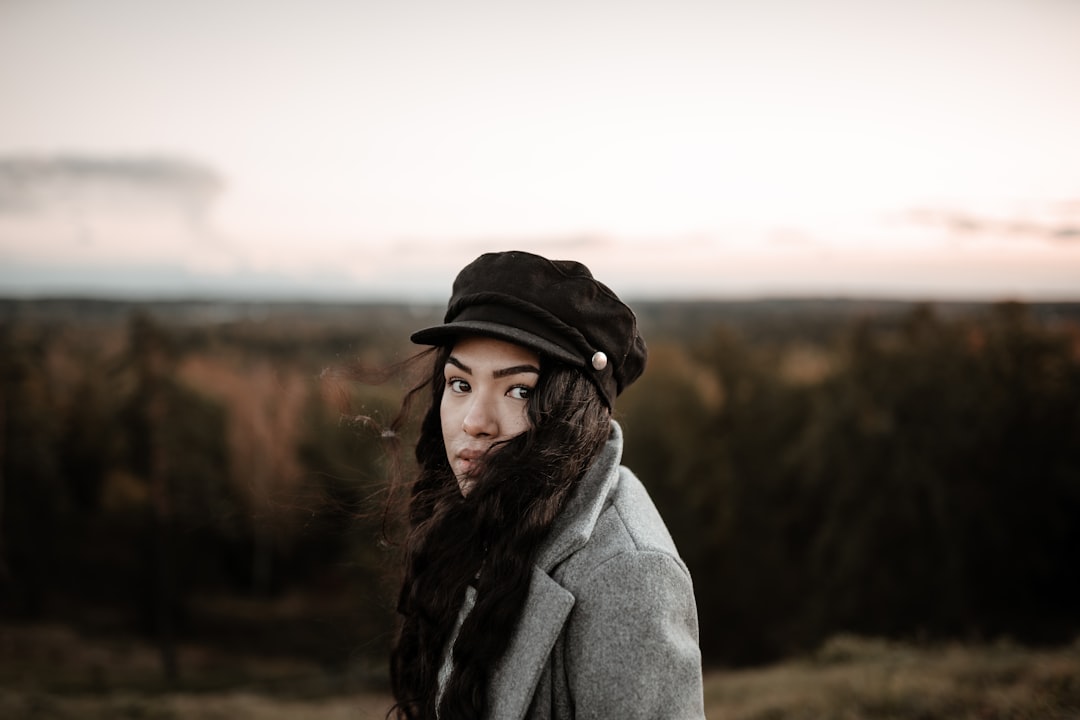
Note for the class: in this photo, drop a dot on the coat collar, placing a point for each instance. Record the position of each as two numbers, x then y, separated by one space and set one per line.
575 524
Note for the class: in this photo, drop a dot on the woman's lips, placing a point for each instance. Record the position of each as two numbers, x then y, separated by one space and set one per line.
464 465
466 460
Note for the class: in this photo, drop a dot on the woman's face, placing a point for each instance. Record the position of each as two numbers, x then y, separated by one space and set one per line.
488 384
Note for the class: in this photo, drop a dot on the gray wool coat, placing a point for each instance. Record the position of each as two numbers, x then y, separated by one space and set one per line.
609 628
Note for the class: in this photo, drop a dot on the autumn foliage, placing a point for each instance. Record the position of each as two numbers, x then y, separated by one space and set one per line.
197 471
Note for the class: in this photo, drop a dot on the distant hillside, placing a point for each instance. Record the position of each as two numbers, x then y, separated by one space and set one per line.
658 318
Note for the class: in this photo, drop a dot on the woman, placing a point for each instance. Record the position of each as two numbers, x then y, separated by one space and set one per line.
540 580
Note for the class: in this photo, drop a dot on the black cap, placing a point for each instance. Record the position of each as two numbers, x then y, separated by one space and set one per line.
554 307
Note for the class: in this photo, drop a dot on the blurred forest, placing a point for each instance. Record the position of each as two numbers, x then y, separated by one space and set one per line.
184 471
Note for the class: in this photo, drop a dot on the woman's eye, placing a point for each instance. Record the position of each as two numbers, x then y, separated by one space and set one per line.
458 385
520 392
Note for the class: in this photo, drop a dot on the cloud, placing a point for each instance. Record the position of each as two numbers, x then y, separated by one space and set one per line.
80 186
109 209
1057 222
34 179
544 244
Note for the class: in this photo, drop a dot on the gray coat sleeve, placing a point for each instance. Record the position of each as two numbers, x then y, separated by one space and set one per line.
632 649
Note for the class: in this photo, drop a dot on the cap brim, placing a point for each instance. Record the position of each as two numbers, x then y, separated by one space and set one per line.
448 333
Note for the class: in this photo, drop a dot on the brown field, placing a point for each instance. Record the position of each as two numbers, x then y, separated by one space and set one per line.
50 672
863 679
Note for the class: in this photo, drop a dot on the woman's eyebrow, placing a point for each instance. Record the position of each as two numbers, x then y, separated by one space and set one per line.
516 370
500 373
459 365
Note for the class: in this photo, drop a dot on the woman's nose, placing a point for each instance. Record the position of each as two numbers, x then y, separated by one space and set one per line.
481 420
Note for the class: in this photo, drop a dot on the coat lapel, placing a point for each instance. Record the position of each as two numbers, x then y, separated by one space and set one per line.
518 672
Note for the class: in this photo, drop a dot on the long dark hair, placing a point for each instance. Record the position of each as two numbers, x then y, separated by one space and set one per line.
488 539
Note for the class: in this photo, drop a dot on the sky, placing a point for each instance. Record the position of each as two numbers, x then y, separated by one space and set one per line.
681 148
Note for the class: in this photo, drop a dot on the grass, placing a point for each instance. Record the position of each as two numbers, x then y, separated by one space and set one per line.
50 672
53 673
853 678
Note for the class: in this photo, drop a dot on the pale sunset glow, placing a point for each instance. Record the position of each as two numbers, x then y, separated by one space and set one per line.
684 148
